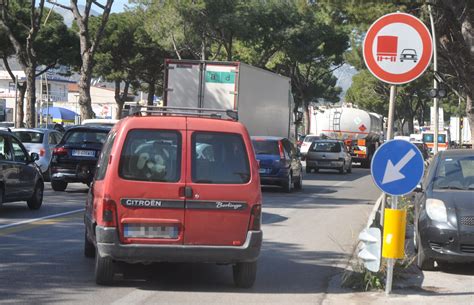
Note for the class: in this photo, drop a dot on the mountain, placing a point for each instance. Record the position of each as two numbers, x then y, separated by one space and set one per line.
68 16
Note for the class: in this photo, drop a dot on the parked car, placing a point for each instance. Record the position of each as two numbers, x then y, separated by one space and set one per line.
42 142
279 162
308 140
175 189
20 177
444 210
75 157
328 154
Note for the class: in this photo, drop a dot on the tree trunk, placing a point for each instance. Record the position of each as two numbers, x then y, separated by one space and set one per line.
31 98
151 93
20 110
411 126
85 100
470 114
120 99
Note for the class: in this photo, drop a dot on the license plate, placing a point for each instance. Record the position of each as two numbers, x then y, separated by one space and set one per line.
83 153
150 231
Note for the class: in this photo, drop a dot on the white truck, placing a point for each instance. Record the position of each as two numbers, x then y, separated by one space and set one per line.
361 130
262 99
461 136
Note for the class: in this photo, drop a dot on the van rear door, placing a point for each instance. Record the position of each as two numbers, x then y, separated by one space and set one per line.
150 190
220 192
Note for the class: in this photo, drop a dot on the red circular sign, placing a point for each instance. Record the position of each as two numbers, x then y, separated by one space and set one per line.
397 48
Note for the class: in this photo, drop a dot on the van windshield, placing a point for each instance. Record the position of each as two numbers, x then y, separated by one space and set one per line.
429 137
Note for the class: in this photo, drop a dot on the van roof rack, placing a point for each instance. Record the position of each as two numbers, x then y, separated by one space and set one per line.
140 110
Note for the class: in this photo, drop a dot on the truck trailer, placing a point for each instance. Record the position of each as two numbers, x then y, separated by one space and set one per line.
460 131
262 99
362 131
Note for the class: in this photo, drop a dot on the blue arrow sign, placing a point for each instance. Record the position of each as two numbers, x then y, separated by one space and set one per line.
397 167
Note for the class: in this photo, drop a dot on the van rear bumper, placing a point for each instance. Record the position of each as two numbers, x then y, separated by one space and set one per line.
108 245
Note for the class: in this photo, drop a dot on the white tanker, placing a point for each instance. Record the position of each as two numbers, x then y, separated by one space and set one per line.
360 129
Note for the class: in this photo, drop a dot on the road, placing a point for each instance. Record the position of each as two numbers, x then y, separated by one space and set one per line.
308 236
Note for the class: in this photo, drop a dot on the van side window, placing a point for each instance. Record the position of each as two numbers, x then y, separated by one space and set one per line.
219 158
151 155
104 157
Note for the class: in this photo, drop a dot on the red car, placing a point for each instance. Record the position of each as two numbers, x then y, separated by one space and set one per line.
175 188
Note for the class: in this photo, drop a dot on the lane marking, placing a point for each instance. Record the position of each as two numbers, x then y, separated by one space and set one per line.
39 219
30 226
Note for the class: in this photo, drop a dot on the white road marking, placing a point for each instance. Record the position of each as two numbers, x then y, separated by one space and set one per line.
39 219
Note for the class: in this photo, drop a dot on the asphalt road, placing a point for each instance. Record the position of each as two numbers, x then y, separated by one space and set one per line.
308 236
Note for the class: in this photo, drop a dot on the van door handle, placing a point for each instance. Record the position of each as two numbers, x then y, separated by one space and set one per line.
188 192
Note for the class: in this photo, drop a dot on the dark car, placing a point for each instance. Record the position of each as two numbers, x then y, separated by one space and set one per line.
328 154
444 210
75 157
20 177
279 162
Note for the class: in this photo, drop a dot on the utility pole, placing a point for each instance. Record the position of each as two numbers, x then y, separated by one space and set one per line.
435 83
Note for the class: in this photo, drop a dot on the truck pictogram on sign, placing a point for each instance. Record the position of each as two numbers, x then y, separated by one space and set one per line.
387 48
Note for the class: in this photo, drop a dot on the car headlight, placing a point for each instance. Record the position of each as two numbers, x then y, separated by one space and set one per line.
436 210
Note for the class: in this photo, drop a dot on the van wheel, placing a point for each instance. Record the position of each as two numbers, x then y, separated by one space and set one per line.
308 170
104 270
422 261
299 183
349 169
288 184
89 249
36 199
2 193
341 169
58 185
245 274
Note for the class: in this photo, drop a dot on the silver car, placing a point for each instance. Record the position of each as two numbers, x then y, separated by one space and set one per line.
40 141
328 154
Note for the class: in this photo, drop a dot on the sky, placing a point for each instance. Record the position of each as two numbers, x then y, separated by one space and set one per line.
117 7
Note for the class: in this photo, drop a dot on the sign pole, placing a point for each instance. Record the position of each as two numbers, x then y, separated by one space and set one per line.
435 85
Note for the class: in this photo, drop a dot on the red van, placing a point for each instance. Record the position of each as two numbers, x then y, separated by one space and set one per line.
175 188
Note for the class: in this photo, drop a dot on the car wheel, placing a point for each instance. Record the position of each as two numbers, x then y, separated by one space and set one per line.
47 175
104 269
423 261
349 169
89 249
288 184
2 194
245 274
299 183
36 199
341 169
58 185
308 170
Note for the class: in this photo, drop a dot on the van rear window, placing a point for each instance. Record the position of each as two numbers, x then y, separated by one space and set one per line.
219 158
151 155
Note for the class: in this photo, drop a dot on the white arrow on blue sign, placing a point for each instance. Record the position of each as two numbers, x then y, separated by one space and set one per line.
397 167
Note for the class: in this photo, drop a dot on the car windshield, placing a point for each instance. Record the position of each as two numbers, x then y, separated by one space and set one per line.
455 173
326 147
86 136
29 136
265 147
311 138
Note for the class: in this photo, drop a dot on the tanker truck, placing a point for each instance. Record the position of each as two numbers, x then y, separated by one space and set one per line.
362 131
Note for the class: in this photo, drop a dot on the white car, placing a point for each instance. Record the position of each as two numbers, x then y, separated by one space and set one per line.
307 143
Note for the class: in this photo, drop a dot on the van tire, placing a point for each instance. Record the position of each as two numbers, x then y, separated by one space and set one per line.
58 185
36 200
308 170
89 249
299 182
341 169
104 269
245 274
349 169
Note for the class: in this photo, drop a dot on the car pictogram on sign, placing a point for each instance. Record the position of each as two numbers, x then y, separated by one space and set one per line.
387 48
408 54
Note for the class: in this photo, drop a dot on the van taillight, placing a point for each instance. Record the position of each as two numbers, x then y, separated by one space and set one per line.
256 218
280 148
109 213
60 151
